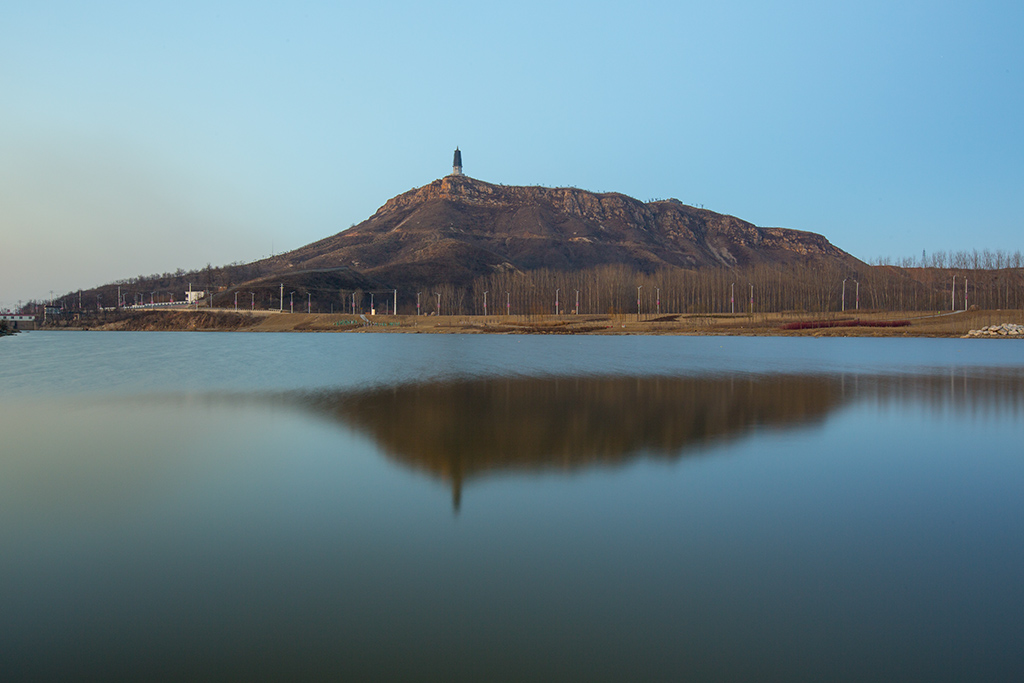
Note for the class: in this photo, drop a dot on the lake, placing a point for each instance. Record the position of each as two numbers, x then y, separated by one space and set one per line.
508 508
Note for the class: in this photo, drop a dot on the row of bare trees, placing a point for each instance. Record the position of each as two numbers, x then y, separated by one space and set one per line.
618 290
813 288
987 279
985 259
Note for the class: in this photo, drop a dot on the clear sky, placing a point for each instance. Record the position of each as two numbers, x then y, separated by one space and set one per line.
140 137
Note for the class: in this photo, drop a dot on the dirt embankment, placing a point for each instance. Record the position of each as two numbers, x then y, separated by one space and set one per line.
149 321
190 320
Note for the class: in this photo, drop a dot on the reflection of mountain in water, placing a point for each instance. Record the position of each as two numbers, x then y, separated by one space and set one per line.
461 429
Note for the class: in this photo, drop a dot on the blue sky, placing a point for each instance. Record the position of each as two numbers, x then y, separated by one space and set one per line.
143 137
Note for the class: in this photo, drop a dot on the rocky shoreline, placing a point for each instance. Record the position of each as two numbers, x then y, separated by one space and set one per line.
1010 330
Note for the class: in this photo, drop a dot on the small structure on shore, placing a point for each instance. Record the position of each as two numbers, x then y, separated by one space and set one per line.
15 321
192 297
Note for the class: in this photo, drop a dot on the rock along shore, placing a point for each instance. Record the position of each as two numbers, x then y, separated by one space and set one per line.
1009 330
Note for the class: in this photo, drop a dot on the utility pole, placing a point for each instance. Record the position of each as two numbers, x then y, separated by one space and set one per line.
485 303
858 294
438 294
417 304
577 302
638 301
309 303
732 298
844 295
282 298
394 308
556 301
952 296
659 299
291 301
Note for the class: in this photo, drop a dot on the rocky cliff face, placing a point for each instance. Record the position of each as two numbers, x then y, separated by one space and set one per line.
457 228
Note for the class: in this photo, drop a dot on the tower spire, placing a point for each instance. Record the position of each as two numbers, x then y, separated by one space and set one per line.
457 163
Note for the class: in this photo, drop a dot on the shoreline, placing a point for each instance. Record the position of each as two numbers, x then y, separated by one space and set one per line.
839 324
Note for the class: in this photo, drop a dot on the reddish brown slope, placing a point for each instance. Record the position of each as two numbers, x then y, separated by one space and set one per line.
457 228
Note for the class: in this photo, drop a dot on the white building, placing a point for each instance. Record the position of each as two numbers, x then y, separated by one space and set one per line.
192 297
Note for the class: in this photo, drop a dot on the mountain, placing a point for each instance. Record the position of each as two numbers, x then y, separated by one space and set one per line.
457 228
457 233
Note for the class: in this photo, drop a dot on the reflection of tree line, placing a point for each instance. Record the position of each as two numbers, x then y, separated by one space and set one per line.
459 429
978 392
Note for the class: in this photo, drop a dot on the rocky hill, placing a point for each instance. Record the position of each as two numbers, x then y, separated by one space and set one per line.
457 233
457 228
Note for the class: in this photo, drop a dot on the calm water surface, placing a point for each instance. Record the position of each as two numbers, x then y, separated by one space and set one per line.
448 507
